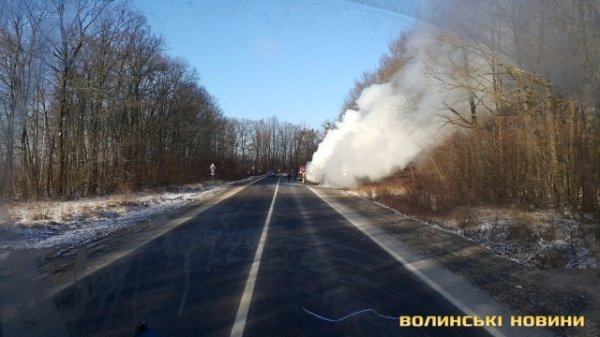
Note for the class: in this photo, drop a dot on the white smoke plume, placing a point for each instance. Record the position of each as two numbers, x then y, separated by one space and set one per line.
394 121
370 142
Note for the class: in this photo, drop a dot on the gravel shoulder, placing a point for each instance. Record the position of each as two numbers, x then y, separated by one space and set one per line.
526 290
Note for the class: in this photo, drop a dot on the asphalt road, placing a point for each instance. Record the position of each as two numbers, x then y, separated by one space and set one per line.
191 280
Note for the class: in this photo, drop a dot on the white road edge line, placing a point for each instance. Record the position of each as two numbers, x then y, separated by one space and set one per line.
375 234
242 314
172 224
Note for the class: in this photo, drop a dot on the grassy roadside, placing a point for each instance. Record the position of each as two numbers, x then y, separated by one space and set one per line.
545 239
61 226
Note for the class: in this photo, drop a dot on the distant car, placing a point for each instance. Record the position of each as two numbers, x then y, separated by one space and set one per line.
271 173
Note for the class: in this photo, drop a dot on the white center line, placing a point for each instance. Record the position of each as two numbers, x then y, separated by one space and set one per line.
242 314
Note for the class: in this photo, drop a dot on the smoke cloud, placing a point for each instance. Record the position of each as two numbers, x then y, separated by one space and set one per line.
369 142
395 121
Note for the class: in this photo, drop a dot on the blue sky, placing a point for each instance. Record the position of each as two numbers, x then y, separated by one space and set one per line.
294 59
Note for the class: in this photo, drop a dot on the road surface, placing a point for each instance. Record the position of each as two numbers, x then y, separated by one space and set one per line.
251 265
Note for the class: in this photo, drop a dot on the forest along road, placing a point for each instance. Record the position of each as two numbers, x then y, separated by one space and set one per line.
273 259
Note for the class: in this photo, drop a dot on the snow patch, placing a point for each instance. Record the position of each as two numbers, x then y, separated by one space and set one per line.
524 244
49 224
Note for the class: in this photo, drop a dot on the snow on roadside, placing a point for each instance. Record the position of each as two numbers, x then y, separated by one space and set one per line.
509 238
49 224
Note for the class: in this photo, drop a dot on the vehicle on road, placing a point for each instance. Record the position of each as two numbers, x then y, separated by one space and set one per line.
271 173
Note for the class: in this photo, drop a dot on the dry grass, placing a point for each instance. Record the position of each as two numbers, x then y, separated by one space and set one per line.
41 214
543 238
